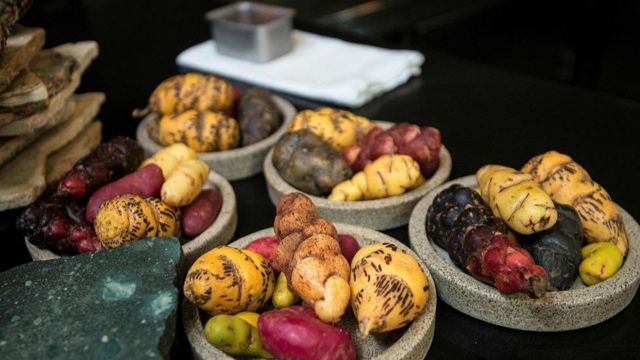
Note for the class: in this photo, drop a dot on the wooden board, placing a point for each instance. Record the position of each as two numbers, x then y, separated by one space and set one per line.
23 178
84 52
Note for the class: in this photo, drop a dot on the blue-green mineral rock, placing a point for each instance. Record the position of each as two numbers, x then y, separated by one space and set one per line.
118 304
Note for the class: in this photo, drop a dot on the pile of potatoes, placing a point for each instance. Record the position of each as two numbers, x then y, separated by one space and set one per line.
555 206
200 111
164 197
334 153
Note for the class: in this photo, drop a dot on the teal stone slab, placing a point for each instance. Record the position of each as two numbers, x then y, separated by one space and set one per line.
116 304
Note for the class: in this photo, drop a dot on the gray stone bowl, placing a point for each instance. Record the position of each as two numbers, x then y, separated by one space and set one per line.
379 214
408 343
575 308
220 232
235 164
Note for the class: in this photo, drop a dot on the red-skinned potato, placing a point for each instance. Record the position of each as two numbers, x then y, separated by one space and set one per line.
296 333
201 212
145 182
423 144
266 246
348 245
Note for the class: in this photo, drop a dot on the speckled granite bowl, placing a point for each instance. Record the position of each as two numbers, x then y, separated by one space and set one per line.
575 308
220 232
380 214
409 343
235 164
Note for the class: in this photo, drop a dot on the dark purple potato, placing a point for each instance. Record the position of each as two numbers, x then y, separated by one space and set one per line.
446 208
258 115
308 163
557 249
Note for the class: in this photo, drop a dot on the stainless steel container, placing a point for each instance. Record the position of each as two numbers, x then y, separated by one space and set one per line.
252 31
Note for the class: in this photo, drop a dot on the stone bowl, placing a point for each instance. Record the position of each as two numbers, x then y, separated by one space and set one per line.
379 214
575 308
408 343
234 164
220 232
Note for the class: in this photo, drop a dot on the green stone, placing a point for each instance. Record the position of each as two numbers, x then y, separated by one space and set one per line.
117 304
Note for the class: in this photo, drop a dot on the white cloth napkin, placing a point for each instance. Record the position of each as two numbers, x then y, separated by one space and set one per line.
317 67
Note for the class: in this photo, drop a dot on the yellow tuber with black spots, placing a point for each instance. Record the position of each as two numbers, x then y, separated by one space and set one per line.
185 182
189 91
129 217
601 260
388 288
339 128
226 280
388 175
516 198
202 131
569 183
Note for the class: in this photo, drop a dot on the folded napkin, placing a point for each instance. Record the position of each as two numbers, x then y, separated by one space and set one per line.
318 67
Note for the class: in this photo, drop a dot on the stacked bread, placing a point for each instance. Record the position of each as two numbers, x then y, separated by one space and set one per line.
44 126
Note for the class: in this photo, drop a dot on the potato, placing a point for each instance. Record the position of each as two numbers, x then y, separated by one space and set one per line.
557 249
349 246
185 183
296 333
282 295
234 336
201 213
145 182
516 198
308 163
266 246
339 128
258 115
169 157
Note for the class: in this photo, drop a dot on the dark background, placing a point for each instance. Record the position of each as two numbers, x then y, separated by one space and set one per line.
503 81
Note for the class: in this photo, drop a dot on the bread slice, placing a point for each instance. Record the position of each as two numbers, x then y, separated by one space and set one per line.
10 146
83 52
21 47
61 161
23 178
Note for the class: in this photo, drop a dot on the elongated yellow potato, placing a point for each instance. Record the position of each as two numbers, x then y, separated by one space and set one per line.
185 183
516 198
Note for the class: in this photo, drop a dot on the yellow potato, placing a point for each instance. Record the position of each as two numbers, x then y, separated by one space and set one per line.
516 198
169 157
388 175
185 183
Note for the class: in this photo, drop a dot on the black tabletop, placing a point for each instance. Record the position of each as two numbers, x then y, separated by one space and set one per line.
486 115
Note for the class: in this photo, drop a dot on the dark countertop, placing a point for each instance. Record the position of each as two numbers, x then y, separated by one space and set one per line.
486 115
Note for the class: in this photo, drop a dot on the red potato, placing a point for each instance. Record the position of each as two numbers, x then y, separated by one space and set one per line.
423 144
201 212
112 159
349 246
266 247
145 182
296 333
